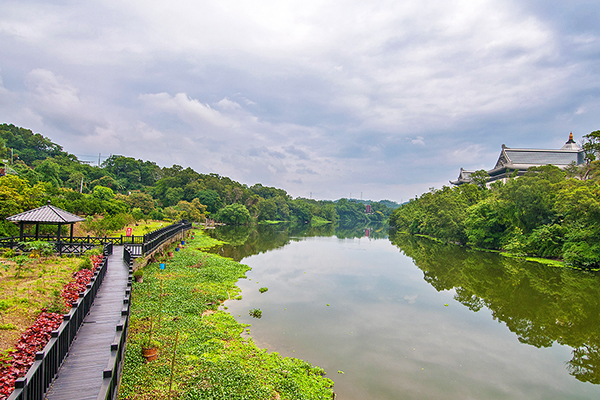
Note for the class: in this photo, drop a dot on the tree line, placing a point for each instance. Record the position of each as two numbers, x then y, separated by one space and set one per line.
123 189
548 212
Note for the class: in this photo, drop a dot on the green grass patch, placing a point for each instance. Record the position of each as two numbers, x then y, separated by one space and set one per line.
318 221
213 359
141 228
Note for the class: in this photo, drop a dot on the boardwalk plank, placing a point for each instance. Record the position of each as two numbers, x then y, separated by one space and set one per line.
80 376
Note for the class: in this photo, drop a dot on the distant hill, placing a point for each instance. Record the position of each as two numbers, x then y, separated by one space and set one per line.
388 203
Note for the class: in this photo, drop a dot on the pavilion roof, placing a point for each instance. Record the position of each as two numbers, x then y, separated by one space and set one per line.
46 214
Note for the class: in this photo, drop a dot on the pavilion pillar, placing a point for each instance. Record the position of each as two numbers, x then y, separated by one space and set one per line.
58 240
21 230
37 231
72 225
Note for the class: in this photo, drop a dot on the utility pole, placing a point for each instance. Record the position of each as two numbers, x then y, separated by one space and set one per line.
98 159
81 186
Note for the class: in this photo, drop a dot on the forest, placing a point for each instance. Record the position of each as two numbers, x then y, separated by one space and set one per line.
548 212
124 189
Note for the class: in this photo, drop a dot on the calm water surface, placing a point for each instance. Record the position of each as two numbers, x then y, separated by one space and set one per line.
412 319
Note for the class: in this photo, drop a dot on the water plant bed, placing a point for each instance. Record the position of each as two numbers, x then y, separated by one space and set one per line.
212 359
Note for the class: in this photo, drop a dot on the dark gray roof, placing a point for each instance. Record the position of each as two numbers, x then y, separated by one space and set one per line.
541 157
46 214
463 177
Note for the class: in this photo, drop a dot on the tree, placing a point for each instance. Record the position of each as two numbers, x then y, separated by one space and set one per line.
591 149
140 200
480 178
267 210
234 214
103 193
17 196
192 211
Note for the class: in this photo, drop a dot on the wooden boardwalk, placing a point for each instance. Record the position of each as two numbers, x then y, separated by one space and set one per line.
80 375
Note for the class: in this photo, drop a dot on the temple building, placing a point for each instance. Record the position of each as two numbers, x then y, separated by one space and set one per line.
519 160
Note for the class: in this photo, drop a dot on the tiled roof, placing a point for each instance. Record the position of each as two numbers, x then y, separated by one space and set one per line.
541 157
48 214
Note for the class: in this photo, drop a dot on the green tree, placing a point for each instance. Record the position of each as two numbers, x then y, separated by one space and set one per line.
234 214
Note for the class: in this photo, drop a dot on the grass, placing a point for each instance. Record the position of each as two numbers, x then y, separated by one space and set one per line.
27 288
213 360
141 228
318 221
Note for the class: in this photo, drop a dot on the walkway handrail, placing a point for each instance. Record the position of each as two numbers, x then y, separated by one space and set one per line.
34 384
154 239
139 245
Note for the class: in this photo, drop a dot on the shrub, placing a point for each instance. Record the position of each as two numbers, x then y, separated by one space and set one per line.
40 248
86 263
8 253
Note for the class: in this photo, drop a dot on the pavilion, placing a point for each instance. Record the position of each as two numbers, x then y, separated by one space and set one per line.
511 160
46 215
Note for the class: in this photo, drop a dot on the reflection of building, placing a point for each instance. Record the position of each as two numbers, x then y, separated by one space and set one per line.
519 160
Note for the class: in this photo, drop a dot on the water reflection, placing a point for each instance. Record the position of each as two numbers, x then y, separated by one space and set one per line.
541 305
244 241
347 302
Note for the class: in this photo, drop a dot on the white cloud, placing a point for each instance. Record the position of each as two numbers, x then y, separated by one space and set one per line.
190 110
418 140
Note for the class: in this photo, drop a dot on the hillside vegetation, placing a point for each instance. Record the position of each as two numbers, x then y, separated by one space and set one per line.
124 189
548 212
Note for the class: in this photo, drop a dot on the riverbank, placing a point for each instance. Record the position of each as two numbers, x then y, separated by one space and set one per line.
202 353
546 261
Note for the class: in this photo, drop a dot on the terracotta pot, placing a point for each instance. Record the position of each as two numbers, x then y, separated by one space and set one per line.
150 354
139 279
170 254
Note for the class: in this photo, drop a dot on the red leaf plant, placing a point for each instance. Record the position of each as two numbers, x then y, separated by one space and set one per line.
37 335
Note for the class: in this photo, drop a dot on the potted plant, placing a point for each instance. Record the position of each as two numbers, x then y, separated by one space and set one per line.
138 276
150 346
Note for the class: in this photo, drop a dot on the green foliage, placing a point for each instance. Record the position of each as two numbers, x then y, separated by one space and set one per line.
263 289
480 178
213 360
234 214
8 253
192 211
255 313
39 248
541 214
102 226
85 263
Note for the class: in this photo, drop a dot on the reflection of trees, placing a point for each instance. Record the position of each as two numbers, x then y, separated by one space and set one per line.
584 364
244 241
540 304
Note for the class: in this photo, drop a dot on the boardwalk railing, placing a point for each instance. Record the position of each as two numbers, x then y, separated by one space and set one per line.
34 384
139 245
158 237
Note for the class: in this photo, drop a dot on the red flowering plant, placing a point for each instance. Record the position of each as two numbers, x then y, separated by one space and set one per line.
16 363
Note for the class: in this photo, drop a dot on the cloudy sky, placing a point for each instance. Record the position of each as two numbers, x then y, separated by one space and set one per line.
329 98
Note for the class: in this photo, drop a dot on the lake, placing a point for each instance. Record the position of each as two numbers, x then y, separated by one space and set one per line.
407 318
